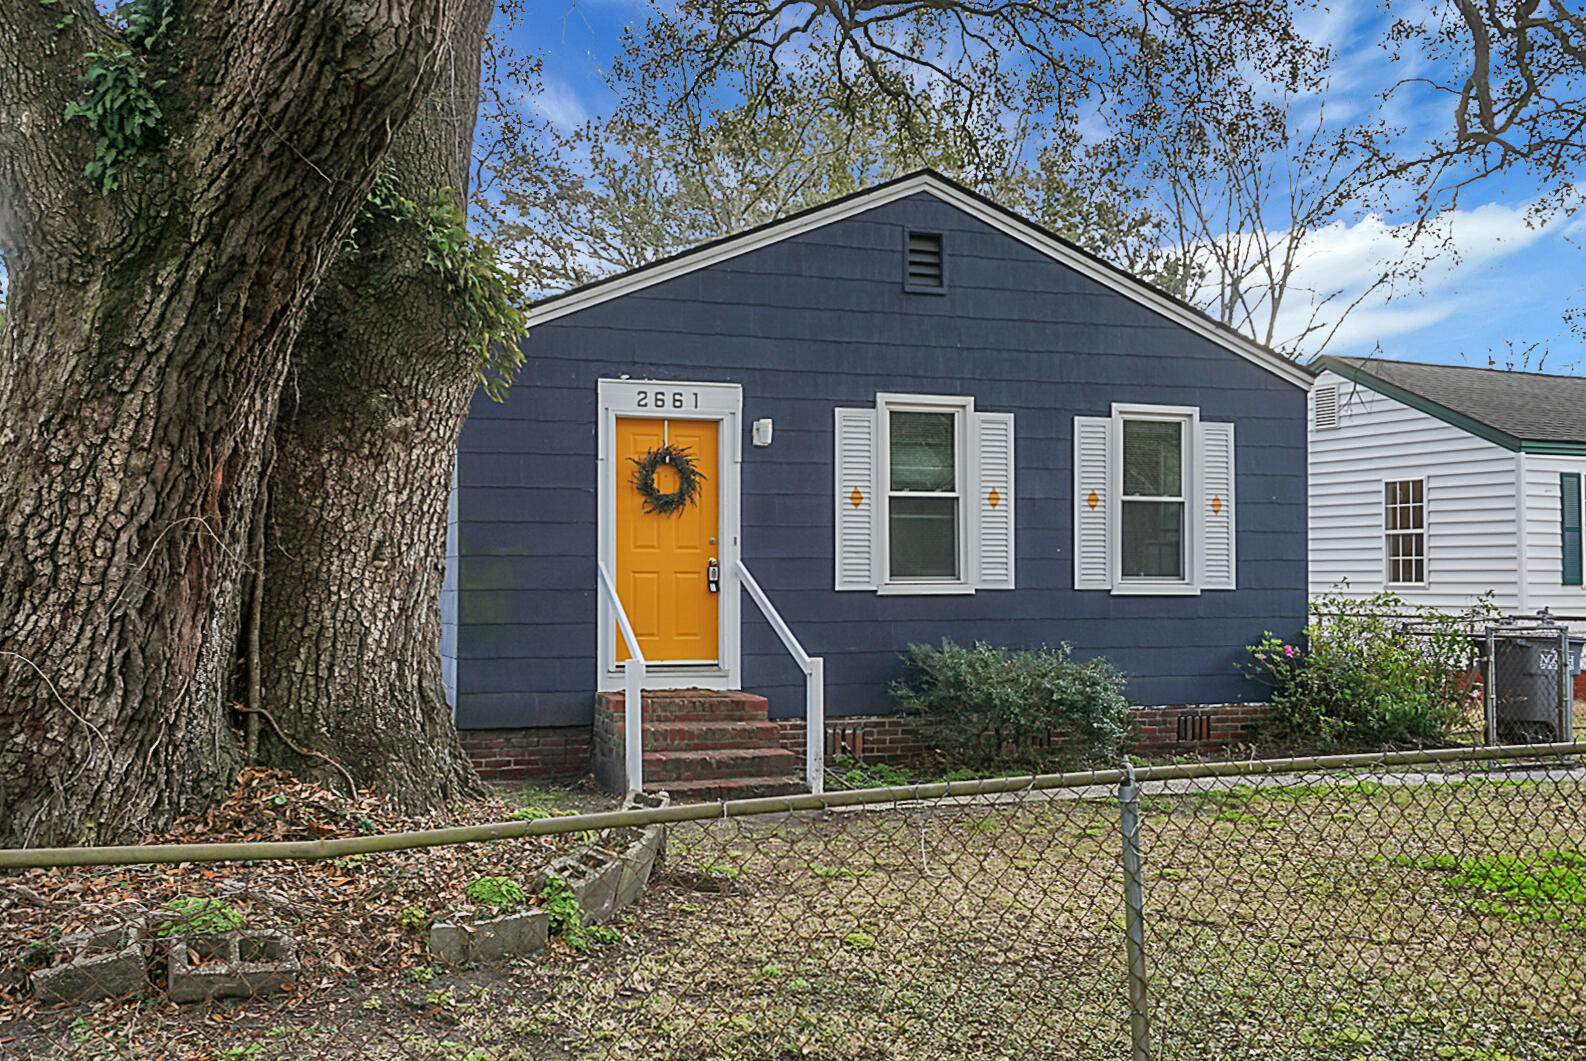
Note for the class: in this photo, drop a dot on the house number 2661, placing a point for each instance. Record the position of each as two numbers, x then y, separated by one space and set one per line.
667 400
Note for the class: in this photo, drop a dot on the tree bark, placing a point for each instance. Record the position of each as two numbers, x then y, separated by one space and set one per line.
381 378
141 360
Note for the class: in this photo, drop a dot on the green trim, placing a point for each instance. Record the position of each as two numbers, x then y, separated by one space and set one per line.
1445 414
1563 449
1569 525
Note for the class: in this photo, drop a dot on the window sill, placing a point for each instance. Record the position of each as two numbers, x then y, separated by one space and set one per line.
1155 589
924 589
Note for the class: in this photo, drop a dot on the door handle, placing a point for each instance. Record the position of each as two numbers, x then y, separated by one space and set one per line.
713 575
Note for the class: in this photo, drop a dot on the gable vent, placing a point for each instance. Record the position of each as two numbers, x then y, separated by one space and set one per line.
924 270
1326 414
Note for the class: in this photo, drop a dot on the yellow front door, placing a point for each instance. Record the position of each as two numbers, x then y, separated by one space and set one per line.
663 560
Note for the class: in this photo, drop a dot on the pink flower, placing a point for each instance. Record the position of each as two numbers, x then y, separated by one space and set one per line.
1261 655
1288 651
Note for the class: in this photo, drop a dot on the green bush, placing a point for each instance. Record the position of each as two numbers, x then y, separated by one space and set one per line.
983 705
1371 672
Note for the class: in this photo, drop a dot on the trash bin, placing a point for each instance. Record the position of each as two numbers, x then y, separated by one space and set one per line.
1529 702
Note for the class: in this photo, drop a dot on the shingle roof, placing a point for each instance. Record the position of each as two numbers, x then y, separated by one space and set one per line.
1525 406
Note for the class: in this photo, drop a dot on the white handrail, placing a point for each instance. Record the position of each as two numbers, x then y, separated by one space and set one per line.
814 668
633 673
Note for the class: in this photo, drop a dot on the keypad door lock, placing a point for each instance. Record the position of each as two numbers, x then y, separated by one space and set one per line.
713 575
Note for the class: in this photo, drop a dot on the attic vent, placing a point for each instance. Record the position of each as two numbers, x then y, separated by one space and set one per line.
923 269
1326 406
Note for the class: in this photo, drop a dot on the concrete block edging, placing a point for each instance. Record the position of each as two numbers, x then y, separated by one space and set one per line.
605 880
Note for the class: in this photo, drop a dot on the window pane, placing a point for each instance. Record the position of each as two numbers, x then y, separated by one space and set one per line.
924 537
1153 539
922 452
1153 458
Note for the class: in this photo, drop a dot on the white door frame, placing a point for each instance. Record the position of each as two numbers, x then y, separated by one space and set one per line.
722 402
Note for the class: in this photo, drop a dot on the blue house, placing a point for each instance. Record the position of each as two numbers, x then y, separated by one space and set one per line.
908 414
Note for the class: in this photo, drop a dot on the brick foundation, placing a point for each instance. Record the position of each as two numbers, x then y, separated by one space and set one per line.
1192 729
512 754
872 738
516 754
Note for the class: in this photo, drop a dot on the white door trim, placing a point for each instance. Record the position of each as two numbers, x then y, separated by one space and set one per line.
722 402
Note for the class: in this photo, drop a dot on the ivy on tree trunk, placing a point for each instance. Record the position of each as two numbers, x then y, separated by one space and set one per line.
142 358
381 378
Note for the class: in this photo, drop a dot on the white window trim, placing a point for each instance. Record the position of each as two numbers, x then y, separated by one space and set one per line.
1190 584
1426 536
967 479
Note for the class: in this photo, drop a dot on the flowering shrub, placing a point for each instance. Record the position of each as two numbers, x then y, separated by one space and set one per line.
987 706
1371 672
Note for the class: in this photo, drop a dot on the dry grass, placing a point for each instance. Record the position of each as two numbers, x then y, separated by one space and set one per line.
1330 923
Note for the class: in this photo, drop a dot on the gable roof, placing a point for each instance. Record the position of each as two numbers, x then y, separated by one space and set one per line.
1522 411
954 194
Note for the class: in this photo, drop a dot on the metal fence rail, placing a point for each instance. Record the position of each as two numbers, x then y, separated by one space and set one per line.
1424 904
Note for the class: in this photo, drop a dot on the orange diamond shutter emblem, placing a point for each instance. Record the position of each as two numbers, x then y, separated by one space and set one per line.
1217 506
1093 500
994 498
856 497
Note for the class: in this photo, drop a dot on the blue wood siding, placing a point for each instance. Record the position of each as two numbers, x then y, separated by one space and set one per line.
822 320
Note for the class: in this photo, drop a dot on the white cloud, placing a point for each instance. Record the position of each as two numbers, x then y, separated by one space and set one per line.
558 104
1337 266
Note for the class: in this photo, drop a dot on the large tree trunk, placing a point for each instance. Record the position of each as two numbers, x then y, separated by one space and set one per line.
383 370
141 361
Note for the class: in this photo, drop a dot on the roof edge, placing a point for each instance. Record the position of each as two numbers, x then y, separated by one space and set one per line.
954 194
1355 374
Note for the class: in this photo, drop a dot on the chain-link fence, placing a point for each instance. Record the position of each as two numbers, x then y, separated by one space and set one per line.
1403 906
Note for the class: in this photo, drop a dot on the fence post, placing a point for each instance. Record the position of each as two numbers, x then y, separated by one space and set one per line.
1134 914
1565 730
1489 697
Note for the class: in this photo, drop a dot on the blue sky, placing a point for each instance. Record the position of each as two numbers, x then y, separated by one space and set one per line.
1509 282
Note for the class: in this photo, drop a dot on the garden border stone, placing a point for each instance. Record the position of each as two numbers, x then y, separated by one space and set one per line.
236 974
603 881
109 961
457 943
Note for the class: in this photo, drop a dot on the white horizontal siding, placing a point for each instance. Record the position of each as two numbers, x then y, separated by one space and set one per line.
1470 501
1544 540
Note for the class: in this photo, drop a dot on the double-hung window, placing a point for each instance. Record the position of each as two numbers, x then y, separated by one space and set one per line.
925 533
1404 531
924 496
1153 501
1152 543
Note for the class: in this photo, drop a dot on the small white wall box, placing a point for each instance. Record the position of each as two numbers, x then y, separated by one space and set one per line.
762 432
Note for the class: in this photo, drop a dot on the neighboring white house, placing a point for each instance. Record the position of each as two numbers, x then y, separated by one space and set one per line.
1442 483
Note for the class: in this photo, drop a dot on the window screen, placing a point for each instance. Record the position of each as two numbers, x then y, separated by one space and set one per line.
923 499
1152 514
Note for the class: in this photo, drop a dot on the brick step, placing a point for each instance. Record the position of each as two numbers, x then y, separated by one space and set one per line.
706 736
691 705
711 790
666 767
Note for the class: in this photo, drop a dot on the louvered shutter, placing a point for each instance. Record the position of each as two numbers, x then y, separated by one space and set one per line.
856 552
1217 506
994 447
1092 558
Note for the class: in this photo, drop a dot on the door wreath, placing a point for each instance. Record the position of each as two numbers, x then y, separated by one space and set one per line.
689 479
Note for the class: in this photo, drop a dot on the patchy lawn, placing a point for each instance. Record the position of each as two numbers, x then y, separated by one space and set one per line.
1325 922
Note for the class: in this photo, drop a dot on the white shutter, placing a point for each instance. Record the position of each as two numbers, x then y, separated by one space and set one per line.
1217 506
1092 559
994 472
856 554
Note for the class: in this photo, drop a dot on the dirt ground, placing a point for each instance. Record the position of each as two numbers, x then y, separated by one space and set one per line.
1345 921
